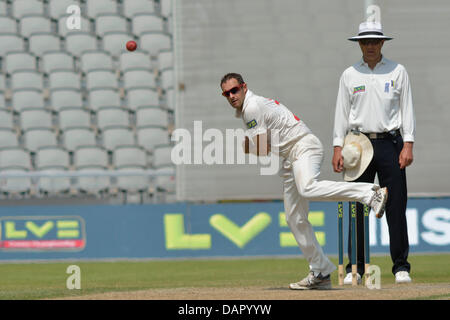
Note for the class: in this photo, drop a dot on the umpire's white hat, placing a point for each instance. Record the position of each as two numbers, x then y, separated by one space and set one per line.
370 30
357 153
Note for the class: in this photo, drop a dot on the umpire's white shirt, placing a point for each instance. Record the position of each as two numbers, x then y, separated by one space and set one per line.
377 100
262 114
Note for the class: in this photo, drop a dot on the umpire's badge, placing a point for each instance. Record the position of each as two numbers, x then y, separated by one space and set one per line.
251 124
359 89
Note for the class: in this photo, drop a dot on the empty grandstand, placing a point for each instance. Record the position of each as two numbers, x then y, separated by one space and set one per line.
80 116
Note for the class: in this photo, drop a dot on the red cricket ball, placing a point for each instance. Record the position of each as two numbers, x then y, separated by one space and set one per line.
131 45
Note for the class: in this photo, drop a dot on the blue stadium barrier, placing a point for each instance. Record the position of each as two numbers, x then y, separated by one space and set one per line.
185 230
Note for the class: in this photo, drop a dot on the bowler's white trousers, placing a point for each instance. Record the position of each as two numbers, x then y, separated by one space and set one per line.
300 185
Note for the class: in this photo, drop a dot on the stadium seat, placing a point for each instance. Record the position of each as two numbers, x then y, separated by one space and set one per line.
135 60
167 77
13 186
110 23
53 185
92 184
27 79
74 117
124 156
2 101
103 98
91 60
88 159
15 157
154 42
21 8
133 7
151 136
39 137
112 116
7 24
63 30
136 78
34 23
65 97
90 156
115 136
166 8
96 7
101 78
151 116
138 97
144 22
54 60
10 42
58 8
52 157
78 42
15 61
165 182
49 160
27 98
43 42
133 78
115 42
8 138
73 138
170 99
165 59
15 160
6 119
133 184
64 79
161 156
31 118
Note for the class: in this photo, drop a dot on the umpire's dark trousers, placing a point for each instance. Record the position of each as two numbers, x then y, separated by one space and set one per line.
385 165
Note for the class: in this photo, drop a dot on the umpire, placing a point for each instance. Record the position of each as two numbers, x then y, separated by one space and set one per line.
375 99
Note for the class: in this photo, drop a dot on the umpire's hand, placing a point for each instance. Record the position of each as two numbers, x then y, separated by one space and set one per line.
406 155
338 160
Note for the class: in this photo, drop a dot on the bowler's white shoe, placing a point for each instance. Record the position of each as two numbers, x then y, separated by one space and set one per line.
348 278
402 277
312 282
378 201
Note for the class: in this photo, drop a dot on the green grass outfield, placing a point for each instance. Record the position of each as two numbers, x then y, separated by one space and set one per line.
48 280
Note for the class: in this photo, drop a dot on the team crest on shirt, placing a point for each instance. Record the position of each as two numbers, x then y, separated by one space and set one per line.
251 124
359 89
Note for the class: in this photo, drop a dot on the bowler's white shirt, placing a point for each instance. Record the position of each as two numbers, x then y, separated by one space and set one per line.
377 100
262 114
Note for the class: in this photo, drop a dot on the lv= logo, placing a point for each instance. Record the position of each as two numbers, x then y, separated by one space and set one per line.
240 236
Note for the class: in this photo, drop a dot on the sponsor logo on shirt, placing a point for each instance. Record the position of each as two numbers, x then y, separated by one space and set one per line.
251 124
386 87
359 89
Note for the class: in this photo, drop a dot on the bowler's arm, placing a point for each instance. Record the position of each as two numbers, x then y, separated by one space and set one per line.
260 145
